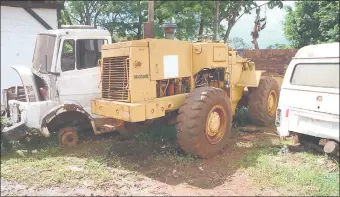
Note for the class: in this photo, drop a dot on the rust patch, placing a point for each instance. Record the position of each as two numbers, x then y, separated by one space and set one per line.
67 107
106 125
71 107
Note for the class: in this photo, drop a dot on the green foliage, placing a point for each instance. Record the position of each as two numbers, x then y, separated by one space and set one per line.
232 11
312 22
278 46
157 133
124 19
241 117
82 12
238 43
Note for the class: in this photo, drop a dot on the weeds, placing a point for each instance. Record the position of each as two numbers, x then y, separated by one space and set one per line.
241 117
157 133
298 174
47 167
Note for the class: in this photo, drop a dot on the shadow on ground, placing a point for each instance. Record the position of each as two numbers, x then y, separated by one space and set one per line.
155 154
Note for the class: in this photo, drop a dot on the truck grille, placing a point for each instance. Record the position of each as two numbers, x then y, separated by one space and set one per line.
115 78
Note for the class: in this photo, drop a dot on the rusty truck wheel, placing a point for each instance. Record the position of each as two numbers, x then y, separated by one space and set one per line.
263 102
204 122
68 136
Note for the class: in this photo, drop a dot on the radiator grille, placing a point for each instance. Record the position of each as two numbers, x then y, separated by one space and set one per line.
115 78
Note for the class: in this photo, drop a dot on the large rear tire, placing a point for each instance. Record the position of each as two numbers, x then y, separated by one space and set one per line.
263 101
204 122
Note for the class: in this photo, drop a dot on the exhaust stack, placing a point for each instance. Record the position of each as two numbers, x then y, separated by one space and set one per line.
169 31
149 26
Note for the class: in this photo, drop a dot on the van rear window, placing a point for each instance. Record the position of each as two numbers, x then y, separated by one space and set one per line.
316 75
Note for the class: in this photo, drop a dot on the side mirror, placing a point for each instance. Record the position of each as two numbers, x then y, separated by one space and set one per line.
99 63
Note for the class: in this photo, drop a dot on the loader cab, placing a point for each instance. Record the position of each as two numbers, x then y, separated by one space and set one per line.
65 64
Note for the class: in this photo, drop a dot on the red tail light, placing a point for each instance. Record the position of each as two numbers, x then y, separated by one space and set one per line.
287 113
43 92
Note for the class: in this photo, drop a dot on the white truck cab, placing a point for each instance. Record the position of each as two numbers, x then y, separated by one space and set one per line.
309 97
59 85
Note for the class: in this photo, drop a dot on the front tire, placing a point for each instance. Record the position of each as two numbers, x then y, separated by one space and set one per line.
204 122
263 101
68 137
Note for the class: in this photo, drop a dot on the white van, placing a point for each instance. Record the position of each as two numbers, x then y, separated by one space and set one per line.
309 97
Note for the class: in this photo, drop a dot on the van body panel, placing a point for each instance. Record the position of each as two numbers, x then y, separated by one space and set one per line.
310 104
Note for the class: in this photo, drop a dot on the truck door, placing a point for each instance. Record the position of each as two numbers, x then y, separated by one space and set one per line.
79 79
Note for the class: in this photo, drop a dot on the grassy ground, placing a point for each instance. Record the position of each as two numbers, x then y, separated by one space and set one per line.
299 173
51 166
156 155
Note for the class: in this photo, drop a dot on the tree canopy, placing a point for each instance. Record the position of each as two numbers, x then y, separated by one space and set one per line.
312 22
277 46
193 18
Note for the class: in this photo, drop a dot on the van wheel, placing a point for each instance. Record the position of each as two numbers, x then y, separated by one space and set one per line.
204 122
263 101
68 136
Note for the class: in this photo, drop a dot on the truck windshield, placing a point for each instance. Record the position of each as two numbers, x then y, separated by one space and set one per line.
43 52
316 75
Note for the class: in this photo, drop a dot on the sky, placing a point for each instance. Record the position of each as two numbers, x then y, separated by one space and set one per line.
272 34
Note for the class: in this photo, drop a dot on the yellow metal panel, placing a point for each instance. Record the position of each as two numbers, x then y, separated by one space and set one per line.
220 53
140 85
154 110
236 95
232 57
249 78
137 113
169 59
118 110
236 70
204 56
172 102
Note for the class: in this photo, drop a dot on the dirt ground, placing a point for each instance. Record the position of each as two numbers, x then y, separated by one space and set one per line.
146 169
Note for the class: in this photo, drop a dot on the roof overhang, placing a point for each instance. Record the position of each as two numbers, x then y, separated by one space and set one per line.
34 4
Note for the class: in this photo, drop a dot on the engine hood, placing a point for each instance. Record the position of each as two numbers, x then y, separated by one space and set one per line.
28 82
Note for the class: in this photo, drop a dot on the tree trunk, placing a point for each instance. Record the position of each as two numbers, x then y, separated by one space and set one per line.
255 44
231 24
227 33
139 28
87 14
95 19
140 22
255 33
200 31
68 19
216 20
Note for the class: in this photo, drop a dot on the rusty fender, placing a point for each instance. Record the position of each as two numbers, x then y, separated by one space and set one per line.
58 110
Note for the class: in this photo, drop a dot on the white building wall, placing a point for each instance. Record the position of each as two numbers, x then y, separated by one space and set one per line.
18 33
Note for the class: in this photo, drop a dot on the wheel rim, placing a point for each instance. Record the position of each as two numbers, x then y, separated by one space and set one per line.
69 138
272 103
216 124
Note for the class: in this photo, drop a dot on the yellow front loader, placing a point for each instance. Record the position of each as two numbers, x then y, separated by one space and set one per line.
197 84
